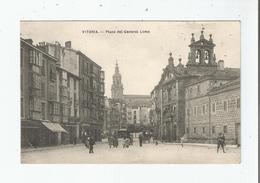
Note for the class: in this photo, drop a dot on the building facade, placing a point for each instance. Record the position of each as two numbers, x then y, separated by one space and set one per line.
180 100
40 117
84 81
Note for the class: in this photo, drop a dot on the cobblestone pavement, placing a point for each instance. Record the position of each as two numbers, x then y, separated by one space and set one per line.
149 153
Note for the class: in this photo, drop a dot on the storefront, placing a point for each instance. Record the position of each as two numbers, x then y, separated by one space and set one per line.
36 133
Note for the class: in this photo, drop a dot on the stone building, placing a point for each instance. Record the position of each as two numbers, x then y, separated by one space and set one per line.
133 109
180 100
40 115
226 116
90 87
200 107
169 102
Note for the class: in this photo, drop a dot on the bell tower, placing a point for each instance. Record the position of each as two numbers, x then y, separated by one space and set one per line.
117 86
202 51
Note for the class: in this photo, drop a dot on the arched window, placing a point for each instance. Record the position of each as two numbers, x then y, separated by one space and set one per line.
206 56
198 55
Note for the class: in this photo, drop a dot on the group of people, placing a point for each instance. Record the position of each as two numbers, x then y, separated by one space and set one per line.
113 141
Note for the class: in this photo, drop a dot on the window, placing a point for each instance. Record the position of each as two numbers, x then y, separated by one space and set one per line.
187 130
43 111
188 111
190 91
35 58
225 129
198 89
56 109
75 84
206 56
174 108
213 110
225 105
203 129
43 67
34 104
195 111
194 130
169 94
36 81
197 54
68 82
43 89
213 129
238 103
204 109
52 72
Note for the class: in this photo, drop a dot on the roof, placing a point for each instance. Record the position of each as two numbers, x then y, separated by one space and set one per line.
79 52
202 42
138 100
232 85
68 72
226 74
34 47
136 96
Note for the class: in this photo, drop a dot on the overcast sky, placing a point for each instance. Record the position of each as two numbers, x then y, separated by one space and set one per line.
141 56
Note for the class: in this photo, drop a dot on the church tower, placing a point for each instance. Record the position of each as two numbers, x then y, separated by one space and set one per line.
117 86
202 52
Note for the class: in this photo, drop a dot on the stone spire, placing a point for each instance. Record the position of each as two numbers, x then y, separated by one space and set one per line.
170 59
210 38
202 35
117 86
192 40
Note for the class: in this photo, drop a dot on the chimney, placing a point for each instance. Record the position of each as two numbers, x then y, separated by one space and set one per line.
30 41
68 44
221 65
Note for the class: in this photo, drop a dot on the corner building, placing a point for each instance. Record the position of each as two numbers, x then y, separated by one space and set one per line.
181 101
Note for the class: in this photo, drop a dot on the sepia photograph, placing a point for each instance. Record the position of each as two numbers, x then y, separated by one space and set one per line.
130 92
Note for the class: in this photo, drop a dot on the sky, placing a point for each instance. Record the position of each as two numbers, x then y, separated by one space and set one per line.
141 56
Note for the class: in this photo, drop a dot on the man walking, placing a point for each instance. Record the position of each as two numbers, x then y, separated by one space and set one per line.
140 140
91 144
221 142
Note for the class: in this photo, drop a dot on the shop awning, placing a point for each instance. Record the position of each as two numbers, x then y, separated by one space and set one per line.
54 127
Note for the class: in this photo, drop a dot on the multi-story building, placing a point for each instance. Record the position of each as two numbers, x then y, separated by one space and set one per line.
89 79
40 117
182 90
199 107
225 111
91 96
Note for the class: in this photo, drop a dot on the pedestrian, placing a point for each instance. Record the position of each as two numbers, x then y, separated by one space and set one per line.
87 142
140 140
224 143
110 141
221 142
182 140
116 141
91 144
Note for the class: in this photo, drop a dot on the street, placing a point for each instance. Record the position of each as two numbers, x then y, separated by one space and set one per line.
149 153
